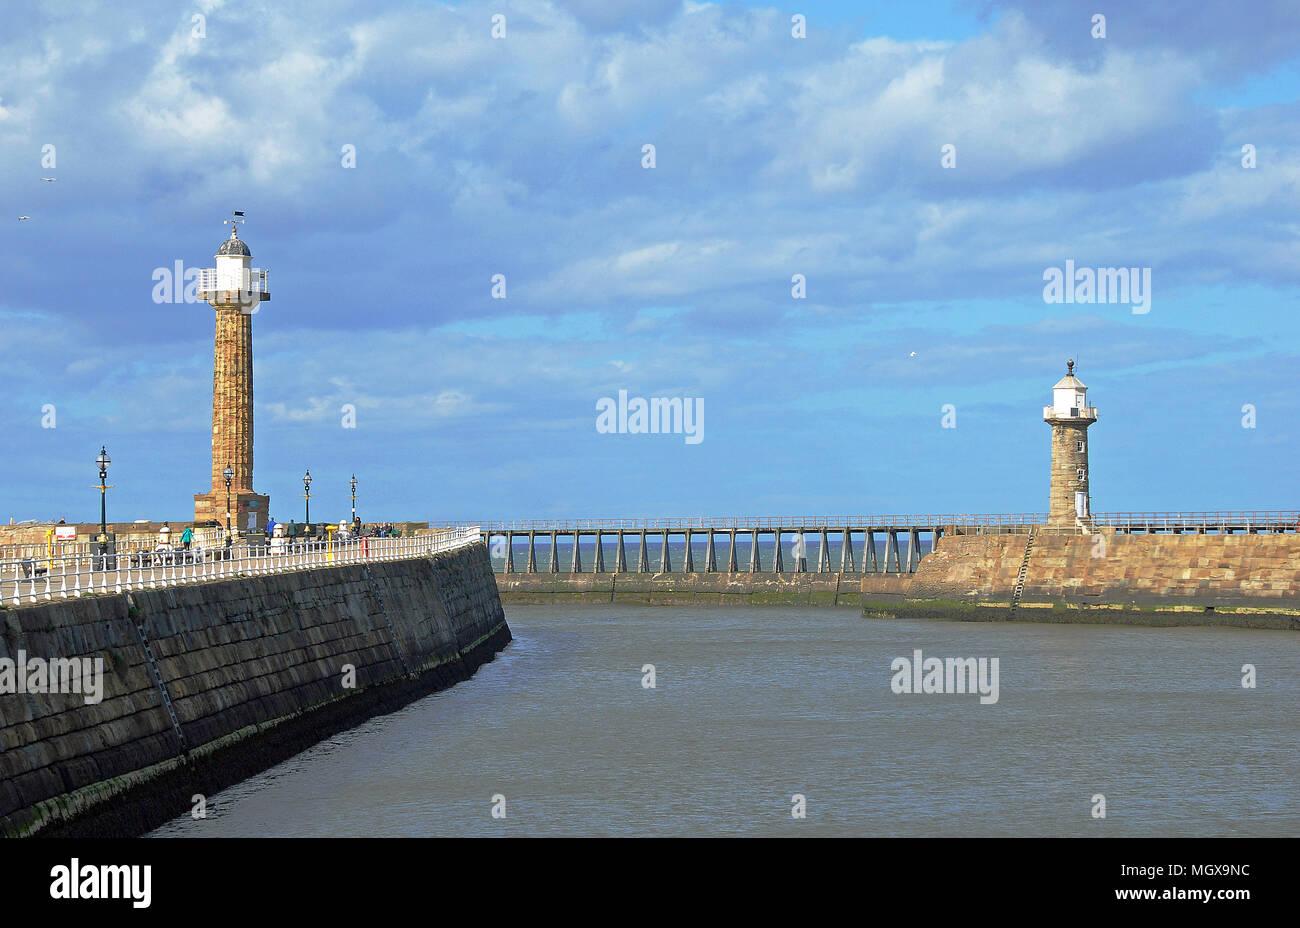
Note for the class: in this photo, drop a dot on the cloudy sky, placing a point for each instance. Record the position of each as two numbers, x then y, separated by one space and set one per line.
775 156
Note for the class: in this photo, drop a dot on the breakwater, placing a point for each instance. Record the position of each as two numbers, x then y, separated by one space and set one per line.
1249 580
775 589
1243 579
207 684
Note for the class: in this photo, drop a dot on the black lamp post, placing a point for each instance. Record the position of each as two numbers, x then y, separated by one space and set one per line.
103 461
229 474
306 493
354 499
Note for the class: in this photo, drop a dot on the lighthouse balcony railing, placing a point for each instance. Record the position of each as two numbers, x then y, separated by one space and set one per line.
247 280
1073 412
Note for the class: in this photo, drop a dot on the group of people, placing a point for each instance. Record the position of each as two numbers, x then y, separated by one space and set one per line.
345 530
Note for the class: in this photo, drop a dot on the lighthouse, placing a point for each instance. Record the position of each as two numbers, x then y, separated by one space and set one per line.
236 291
1069 416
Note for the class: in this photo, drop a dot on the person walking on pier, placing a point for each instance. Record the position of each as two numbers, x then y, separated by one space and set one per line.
186 537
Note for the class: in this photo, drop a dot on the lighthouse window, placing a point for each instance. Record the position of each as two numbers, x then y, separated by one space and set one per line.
1080 446
1079 474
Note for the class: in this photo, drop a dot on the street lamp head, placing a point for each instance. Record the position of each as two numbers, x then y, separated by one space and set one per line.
354 483
306 479
229 474
103 460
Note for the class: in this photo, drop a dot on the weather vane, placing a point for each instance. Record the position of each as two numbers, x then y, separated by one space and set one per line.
239 217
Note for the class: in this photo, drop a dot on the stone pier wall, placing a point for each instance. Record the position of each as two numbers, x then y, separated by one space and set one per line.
785 589
1158 579
205 685
1241 579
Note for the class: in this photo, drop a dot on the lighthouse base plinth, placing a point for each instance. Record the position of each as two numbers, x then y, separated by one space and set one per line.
248 510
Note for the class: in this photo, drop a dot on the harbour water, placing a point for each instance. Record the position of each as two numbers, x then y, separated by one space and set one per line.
754 705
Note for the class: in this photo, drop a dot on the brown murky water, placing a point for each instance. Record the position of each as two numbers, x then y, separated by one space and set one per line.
754 705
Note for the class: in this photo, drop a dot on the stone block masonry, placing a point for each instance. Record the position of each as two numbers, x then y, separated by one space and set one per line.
1149 579
208 684
736 589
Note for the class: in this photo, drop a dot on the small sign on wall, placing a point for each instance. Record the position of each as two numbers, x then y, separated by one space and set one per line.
65 533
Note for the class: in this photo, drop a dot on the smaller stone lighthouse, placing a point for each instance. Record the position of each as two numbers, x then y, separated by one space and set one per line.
1069 416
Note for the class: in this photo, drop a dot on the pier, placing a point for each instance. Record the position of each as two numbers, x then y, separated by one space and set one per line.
889 544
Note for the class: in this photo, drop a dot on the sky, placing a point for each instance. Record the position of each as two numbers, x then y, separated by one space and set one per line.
393 158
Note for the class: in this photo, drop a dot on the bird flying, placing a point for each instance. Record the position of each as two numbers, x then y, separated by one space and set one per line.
48 180
21 218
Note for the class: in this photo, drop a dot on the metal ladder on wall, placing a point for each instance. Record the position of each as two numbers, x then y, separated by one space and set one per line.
1024 570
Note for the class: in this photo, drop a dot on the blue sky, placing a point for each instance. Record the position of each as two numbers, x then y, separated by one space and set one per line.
775 156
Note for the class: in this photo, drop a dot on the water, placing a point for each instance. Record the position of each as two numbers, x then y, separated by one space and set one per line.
753 705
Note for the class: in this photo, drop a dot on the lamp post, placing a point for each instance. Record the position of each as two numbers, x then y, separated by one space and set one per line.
229 474
354 499
103 460
306 493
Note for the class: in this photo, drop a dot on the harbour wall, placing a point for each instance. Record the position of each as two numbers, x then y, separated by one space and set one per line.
1250 580
207 684
674 589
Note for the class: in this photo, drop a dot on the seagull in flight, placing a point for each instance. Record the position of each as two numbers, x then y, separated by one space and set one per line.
21 218
912 355
48 180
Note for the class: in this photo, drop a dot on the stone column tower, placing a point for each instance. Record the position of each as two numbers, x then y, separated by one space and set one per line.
1069 416
236 291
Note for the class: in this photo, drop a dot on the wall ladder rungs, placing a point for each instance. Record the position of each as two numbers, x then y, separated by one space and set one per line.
1024 571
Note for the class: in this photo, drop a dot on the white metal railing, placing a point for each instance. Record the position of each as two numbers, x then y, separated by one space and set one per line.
31 580
1074 412
789 523
45 551
1255 519
249 280
1275 520
209 537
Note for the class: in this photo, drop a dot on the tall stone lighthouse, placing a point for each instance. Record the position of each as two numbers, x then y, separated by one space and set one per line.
1069 416
236 291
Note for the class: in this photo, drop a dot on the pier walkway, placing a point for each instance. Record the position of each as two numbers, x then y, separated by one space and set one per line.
822 544
78 569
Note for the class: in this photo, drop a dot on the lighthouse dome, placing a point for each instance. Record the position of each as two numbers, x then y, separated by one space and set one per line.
1069 381
234 246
